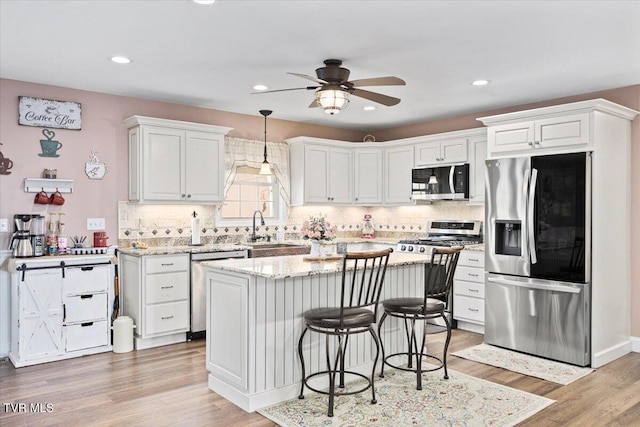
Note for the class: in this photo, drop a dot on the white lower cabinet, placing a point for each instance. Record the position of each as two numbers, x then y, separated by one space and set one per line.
468 291
155 291
60 310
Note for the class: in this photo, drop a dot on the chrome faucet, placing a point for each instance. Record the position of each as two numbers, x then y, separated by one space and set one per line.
253 234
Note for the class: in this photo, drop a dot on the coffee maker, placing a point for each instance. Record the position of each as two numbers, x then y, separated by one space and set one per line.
38 239
21 238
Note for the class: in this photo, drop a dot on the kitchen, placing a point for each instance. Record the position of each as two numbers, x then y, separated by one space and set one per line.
103 128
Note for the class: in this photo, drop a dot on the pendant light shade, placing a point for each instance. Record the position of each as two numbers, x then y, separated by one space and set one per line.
433 179
265 168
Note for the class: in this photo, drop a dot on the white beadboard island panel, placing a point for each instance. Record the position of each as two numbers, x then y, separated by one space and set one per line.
254 315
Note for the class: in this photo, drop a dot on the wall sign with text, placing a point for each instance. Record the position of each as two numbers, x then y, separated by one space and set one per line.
49 113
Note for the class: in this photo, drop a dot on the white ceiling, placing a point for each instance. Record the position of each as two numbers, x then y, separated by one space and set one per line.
211 56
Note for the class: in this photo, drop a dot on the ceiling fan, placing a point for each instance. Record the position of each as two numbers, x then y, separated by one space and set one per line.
334 89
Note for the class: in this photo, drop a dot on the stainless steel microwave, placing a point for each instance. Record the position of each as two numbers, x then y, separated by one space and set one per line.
441 183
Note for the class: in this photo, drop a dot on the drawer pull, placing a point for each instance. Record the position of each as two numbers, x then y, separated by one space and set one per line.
474 259
84 325
475 310
86 268
86 296
473 274
166 287
167 318
166 264
473 290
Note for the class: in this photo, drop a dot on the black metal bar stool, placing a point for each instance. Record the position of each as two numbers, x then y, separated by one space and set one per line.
438 282
359 298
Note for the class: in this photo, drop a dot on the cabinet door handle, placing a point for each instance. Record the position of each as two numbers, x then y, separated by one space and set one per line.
536 143
188 195
64 312
86 268
166 287
328 198
86 296
183 195
84 325
530 143
167 318
167 264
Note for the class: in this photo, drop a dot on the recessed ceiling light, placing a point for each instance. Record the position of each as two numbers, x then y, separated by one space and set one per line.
204 1
120 59
480 82
369 108
260 87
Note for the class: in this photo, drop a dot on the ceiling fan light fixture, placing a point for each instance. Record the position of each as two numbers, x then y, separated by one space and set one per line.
332 100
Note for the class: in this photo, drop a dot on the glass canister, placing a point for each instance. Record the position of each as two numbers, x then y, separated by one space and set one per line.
368 232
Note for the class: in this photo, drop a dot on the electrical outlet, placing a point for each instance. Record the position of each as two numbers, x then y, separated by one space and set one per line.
95 224
4 225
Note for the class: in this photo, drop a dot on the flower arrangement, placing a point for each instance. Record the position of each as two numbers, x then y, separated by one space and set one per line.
318 228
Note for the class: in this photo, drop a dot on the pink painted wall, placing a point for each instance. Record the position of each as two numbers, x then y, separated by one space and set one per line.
102 128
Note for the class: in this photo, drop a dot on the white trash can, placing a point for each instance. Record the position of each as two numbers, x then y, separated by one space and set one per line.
123 334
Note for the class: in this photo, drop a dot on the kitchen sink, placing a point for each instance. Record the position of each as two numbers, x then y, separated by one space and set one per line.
260 250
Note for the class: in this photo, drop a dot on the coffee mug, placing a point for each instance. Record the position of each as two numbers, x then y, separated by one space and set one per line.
41 198
56 198
5 165
49 148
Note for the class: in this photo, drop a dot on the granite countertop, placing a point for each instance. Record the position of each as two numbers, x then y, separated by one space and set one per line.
294 266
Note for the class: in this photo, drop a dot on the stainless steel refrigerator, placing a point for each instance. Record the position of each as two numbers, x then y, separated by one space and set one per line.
538 255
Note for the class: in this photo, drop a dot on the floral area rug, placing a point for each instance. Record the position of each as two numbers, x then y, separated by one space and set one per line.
557 372
459 401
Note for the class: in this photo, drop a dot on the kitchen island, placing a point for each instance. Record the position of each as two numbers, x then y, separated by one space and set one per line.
254 321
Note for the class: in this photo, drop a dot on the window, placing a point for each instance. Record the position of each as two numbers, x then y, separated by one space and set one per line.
248 193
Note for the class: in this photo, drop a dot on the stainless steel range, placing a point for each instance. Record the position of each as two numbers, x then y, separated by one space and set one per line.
444 233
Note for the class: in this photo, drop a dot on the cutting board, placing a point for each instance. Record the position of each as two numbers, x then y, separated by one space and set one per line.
322 258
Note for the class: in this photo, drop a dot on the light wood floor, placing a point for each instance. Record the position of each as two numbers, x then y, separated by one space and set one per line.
167 386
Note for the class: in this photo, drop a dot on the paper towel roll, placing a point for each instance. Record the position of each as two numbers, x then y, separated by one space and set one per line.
195 231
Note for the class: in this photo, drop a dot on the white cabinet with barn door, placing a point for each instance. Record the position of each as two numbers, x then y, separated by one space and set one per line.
368 176
155 291
468 291
320 174
172 161
60 308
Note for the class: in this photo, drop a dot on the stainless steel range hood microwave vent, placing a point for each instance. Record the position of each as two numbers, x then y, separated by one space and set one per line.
440 183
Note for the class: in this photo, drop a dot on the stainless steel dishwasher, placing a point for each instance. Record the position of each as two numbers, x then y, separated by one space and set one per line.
199 290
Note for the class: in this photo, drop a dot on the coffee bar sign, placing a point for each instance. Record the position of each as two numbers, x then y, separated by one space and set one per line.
49 113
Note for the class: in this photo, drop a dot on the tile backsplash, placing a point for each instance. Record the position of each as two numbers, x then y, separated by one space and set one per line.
160 225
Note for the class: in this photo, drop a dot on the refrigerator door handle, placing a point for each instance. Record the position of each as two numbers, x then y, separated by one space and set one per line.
530 222
452 172
555 287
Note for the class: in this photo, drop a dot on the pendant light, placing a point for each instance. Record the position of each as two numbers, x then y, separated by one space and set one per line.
265 169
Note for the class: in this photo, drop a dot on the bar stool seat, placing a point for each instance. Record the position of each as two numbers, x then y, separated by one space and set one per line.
438 281
357 313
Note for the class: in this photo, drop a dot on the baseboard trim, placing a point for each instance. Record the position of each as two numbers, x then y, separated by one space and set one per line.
610 354
635 344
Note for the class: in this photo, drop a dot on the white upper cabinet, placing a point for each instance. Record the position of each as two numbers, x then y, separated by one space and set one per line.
398 163
320 174
172 161
368 176
550 133
477 157
435 152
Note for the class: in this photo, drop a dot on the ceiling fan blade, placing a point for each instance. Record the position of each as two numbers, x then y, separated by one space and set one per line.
314 104
285 90
308 77
375 97
379 81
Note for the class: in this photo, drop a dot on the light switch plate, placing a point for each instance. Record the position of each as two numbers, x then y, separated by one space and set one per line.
95 224
4 225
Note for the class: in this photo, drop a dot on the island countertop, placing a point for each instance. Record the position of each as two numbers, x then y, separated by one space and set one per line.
294 265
